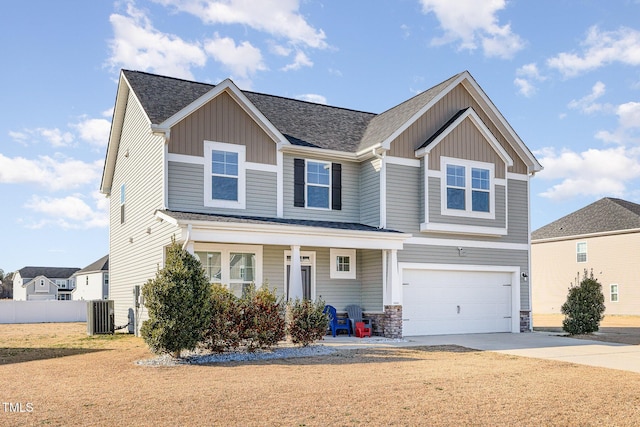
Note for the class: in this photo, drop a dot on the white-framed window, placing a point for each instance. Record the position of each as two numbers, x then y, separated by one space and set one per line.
318 184
613 293
61 283
64 297
467 188
235 266
581 252
343 263
224 175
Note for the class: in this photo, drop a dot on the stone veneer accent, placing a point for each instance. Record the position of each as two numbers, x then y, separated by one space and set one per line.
525 321
389 323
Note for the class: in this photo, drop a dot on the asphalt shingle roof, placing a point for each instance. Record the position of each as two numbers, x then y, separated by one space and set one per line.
100 265
49 272
607 214
191 216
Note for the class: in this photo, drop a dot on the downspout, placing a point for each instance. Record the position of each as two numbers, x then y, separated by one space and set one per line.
186 240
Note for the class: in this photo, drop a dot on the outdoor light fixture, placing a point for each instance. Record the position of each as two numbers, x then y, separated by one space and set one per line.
525 276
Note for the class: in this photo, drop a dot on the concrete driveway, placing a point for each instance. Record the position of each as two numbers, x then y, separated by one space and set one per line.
541 345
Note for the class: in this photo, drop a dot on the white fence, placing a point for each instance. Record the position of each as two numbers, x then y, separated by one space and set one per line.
42 311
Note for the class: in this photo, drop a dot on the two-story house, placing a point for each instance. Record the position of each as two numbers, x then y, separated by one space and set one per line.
43 283
92 282
602 238
419 214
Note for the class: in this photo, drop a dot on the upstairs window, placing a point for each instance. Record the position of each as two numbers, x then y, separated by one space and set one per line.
317 184
581 252
468 188
224 175
613 293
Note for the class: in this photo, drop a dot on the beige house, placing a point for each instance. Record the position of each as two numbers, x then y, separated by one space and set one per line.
603 237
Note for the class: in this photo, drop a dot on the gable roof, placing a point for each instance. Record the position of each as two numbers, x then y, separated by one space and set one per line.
605 215
50 272
100 265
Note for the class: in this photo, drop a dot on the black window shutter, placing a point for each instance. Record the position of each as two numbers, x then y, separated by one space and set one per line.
336 186
298 183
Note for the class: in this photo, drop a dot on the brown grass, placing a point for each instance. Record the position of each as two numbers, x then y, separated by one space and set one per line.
619 329
72 379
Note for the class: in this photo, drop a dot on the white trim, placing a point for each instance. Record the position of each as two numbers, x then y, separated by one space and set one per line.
426 172
586 236
392 160
518 176
241 202
477 230
303 263
261 167
515 281
301 151
333 271
279 184
383 191
165 172
481 244
185 158
468 165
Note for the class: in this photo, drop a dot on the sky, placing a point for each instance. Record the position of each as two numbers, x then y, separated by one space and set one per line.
565 74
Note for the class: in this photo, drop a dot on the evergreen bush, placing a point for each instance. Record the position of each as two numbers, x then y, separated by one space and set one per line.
307 322
178 303
584 308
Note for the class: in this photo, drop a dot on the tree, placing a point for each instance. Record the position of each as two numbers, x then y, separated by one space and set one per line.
584 308
6 284
178 302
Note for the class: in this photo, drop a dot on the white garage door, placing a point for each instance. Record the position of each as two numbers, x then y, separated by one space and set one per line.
455 302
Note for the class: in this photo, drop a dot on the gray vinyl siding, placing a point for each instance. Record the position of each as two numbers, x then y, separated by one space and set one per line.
370 272
403 198
518 196
369 193
273 267
186 191
350 211
135 254
336 292
472 256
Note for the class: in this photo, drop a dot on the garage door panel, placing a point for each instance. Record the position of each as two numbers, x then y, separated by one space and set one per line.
449 302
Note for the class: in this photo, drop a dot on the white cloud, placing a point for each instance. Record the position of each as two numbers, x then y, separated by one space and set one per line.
94 131
527 75
50 173
138 45
243 60
472 22
593 172
628 130
279 18
600 48
312 97
300 60
588 104
70 212
53 136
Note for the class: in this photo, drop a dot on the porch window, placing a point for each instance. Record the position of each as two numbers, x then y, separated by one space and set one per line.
235 266
581 252
343 263
212 263
613 293
242 267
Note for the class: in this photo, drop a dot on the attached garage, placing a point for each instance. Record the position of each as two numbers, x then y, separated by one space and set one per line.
441 300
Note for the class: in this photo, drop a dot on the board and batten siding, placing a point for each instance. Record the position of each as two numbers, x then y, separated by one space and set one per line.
222 120
136 248
472 256
186 191
423 128
370 192
350 211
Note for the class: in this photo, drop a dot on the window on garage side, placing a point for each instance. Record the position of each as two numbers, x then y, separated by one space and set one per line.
467 188
581 252
613 293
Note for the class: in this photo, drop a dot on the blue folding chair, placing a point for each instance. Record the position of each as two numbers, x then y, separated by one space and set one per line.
336 323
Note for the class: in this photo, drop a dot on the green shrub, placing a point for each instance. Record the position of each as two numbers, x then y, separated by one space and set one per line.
225 328
584 308
263 318
307 322
178 303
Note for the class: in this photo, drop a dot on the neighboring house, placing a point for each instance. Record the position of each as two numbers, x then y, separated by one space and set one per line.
419 214
92 282
26 287
603 238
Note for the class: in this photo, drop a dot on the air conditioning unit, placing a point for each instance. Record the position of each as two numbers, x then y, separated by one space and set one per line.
100 317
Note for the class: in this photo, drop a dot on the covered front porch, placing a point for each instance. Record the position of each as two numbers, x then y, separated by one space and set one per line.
340 263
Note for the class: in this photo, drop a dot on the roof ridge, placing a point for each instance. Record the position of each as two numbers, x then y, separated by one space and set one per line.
168 77
308 102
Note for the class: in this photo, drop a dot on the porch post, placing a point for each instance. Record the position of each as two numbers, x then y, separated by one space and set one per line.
393 290
295 275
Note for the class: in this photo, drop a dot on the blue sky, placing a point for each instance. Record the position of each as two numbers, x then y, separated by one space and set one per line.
565 74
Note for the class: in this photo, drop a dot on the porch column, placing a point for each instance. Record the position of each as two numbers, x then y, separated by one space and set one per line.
295 274
393 289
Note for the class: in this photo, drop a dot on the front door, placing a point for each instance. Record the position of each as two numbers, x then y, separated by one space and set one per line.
306 280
